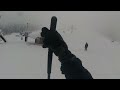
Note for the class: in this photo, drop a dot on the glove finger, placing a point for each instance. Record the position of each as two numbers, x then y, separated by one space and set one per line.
44 31
44 46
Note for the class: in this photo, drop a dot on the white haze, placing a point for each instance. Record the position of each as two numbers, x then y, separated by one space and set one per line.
105 22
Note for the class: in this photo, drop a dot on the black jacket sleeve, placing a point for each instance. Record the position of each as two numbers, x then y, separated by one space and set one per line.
72 67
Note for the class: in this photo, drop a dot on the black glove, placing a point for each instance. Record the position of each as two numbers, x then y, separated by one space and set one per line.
53 40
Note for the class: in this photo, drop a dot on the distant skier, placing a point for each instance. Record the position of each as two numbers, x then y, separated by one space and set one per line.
86 46
1 36
26 36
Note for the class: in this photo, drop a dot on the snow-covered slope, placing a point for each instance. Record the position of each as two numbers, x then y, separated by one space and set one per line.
26 60
102 57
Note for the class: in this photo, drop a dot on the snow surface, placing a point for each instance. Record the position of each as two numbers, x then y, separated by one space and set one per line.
26 60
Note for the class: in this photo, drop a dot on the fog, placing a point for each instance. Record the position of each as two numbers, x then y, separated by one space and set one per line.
105 22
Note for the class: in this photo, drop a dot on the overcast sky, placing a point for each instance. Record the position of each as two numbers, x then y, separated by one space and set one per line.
106 22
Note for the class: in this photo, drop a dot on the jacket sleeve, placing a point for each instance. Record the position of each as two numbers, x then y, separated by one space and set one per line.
72 67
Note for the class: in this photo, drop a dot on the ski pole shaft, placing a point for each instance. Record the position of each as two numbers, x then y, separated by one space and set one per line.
50 55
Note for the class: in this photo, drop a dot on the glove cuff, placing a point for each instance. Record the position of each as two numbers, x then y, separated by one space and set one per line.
63 54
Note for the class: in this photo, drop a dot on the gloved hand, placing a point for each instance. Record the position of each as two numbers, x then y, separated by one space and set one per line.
52 40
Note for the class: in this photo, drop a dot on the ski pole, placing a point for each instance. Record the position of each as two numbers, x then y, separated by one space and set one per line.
50 52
